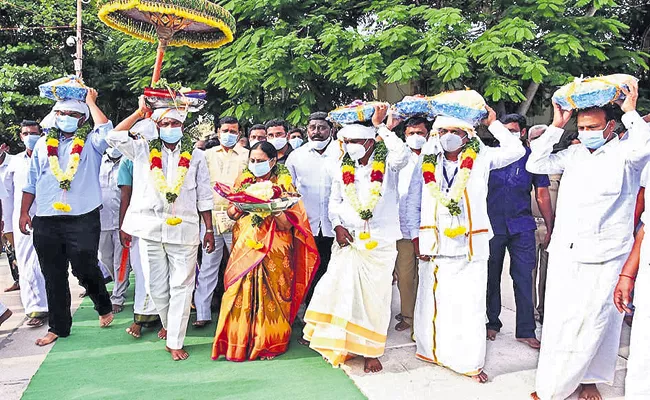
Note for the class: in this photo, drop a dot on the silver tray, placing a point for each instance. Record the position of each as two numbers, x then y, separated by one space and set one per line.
276 205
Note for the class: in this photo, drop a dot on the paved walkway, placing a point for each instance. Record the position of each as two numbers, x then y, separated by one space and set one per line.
510 364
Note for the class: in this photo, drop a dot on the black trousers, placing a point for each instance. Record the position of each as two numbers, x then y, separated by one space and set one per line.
324 246
74 240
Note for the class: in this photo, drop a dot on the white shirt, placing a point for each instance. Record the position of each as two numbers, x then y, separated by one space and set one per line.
405 176
595 206
384 225
14 180
110 211
645 175
148 212
7 203
310 172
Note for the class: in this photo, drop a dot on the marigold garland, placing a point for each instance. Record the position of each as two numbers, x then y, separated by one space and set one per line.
377 172
451 200
155 160
64 178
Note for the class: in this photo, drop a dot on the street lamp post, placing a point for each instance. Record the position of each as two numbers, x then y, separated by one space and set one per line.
78 62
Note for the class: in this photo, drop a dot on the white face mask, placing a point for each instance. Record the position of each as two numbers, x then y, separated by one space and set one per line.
320 144
295 142
450 142
356 151
516 134
416 141
278 142
113 153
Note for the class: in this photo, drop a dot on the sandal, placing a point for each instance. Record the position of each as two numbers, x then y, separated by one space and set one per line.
36 322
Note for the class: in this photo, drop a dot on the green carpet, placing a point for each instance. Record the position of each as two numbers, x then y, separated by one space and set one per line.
94 363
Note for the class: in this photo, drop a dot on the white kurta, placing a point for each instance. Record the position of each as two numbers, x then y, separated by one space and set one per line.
449 322
590 243
32 282
350 310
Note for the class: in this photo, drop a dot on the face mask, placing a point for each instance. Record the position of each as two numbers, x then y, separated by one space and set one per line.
67 123
592 139
171 135
260 169
113 153
320 144
516 134
228 139
296 142
416 141
356 151
253 142
450 142
30 141
279 142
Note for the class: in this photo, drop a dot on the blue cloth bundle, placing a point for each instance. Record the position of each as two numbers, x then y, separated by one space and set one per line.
66 88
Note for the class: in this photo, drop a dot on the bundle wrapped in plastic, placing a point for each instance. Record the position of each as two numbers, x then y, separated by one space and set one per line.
357 111
259 197
415 106
591 92
67 88
190 100
467 105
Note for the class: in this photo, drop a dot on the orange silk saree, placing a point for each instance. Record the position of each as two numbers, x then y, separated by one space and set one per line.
265 286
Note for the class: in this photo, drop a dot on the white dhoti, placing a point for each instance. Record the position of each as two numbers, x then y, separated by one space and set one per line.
169 271
637 384
3 309
208 275
32 282
349 313
582 327
449 321
144 311
110 255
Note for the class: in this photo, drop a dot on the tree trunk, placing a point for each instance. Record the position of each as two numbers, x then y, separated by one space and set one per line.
530 95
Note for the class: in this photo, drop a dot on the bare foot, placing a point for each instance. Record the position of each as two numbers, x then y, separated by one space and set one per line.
105 320
590 392
83 294
481 377
372 365
534 396
267 358
117 308
402 326
5 316
399 317
13 287
303 341
47 339
491 335
201 324
532 342
162 333
178 355
134 330
36 322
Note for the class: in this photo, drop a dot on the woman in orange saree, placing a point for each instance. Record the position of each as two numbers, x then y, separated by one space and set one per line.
271 266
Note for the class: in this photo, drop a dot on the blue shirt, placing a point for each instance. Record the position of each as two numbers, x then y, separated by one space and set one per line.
508 201
85 193
125 173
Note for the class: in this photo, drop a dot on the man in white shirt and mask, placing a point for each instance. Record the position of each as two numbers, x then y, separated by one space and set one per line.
308 166
416 134
225 162
592 238
450 230
165 211
350 310
110 249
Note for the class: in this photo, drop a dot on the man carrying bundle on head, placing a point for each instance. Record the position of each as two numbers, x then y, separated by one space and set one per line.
63 180
172 193
450 230
592 238
349 312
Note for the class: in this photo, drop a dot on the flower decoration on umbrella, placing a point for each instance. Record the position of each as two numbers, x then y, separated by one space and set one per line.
198 24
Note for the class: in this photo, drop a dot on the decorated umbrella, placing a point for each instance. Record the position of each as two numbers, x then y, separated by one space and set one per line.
198 24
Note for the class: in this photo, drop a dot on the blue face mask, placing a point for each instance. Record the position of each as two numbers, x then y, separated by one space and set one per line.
259 169
228 139
296 142
67 123
171 135
30 141
592 139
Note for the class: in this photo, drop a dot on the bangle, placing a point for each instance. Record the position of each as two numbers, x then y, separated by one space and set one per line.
140 113
209 231
627 276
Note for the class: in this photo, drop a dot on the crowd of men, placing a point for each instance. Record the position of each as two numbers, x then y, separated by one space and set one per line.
447 261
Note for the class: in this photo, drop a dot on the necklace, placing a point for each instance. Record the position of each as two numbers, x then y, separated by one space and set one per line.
155 160
64 178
